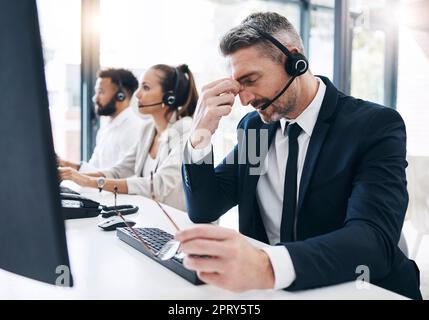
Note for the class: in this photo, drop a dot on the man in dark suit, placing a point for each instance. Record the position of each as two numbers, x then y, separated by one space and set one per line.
316 174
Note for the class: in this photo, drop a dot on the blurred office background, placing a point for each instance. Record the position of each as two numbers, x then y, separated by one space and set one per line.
372 49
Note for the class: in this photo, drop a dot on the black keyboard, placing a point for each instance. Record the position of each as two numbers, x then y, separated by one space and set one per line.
155 238
67 190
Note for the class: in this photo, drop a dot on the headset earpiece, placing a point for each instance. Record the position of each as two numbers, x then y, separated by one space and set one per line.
120 96
296 64
170 97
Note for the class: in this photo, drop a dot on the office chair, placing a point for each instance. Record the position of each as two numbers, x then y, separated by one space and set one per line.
418 206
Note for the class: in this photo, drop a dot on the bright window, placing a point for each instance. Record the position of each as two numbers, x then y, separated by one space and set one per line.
321 41
137 34
368 49
413 76
60 31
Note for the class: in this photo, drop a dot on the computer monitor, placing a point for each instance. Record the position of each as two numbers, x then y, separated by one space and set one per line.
32 233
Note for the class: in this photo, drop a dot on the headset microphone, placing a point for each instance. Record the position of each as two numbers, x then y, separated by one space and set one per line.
266 105
149 105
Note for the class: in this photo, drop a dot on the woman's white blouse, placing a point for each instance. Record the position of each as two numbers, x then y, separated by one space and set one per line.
136 166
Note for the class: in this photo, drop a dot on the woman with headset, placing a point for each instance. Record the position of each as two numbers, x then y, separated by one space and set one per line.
169 95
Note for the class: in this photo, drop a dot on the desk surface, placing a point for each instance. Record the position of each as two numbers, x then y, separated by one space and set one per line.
104 267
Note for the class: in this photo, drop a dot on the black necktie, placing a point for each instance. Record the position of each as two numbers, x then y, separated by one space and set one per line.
289 196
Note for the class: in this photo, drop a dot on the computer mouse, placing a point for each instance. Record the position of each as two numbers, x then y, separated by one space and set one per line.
113 223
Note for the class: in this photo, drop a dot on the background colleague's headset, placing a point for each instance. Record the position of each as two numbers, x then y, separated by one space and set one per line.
296 63
120 94
170 97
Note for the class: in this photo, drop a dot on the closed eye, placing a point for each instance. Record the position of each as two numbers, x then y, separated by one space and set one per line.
248 82
249 79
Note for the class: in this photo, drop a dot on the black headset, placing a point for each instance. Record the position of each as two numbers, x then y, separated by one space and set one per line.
296 63
120 94
170 97
123 209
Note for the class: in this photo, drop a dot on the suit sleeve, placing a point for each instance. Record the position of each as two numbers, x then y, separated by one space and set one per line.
374 217
210 191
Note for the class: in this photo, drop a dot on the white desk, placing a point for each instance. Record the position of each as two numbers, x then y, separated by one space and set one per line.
104 267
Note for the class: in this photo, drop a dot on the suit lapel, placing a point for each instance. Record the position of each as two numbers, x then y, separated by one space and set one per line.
318 137
316 142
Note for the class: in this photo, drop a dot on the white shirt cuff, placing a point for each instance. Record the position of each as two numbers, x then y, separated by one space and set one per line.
196 155
284 271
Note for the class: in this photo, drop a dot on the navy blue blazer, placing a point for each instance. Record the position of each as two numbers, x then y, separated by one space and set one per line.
352 196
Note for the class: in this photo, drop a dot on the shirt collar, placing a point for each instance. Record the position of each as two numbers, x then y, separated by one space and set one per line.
307 119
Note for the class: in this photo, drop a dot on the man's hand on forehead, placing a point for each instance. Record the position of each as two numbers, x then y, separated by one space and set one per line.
227 85
216 101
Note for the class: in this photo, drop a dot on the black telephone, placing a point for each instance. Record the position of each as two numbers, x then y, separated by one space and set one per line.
75 206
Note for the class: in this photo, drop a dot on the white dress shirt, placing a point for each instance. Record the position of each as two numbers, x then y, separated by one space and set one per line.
270 187
113 141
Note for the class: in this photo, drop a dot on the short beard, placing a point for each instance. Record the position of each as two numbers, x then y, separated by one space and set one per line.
278 112
286 109
108 109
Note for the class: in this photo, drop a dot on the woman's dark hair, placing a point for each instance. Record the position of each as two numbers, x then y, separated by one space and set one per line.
186 93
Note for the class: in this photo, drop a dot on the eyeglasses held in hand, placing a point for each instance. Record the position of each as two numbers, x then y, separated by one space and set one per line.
167 251
152 194
115 191
172 247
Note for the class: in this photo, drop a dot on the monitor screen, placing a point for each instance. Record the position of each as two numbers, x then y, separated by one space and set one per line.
32 233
